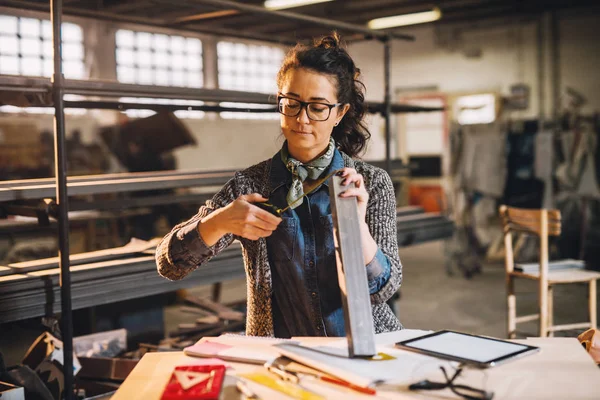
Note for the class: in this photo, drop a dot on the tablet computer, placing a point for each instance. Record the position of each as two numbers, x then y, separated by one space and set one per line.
478 351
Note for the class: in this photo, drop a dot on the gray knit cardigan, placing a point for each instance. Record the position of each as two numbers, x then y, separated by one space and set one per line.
381 218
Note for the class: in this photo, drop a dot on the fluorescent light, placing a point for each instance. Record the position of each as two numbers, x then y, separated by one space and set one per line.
281 4
406 19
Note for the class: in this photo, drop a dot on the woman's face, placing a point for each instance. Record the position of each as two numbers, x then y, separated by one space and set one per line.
306 138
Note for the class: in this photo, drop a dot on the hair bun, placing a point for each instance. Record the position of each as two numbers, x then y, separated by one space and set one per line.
329 42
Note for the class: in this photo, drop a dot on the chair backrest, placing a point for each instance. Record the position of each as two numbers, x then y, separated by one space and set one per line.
530 220
542 223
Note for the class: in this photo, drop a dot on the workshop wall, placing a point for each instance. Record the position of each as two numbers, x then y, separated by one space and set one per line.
486 57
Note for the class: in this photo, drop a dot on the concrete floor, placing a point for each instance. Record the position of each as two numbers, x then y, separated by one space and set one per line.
430 299
433 300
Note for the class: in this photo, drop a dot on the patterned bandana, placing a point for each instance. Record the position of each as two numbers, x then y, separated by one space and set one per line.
301 171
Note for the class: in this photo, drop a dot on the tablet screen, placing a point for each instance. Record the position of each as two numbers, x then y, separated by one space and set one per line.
466 347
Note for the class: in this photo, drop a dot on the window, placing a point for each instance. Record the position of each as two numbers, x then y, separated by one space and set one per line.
250 68
26 47
157 59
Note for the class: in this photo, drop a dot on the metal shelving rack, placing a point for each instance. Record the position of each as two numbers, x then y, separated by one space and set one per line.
58 87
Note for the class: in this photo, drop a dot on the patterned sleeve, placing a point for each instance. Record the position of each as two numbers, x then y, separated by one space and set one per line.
182 250
381 218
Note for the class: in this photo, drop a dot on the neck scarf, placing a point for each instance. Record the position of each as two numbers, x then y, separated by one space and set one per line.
301 171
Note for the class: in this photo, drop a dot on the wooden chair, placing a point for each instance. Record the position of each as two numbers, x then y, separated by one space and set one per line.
543 223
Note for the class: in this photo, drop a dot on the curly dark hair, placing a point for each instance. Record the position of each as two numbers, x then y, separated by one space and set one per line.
327 56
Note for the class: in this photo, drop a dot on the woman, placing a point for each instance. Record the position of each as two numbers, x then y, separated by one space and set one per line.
290 261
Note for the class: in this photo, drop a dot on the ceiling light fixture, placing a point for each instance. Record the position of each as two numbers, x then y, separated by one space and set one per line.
281 4
405 19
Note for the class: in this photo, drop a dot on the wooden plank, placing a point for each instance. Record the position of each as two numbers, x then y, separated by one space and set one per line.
352 274
527 318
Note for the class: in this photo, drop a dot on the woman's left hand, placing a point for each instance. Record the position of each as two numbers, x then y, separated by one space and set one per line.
357 190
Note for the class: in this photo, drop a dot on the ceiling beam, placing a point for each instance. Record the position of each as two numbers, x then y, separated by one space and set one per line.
204 16
332 24
114 17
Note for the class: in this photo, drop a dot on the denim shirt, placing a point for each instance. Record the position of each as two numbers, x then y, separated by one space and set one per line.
306 295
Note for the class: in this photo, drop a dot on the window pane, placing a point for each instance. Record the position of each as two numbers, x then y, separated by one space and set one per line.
194 62
160 59
144 76
178 62
47 29
48 68
126 74
143 40
29 27
177 44
144 59
177 78
72 51
31 66
9 45
224 49
194 79
193 46
9 65
31 47
124 38
161 77
8 25
71 32
47 49
125 57
73 69
161 42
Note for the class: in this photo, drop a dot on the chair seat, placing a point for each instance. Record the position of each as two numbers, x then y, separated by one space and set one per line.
562 276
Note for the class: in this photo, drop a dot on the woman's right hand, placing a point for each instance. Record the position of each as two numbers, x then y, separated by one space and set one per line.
241 218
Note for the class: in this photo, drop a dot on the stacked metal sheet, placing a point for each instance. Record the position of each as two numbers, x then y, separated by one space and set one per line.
31 289
37 293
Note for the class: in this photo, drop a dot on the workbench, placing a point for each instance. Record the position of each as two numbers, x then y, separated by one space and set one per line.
560 370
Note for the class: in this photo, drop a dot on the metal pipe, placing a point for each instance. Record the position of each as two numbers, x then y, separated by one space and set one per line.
128 184
387 103
541 71
62 200
556 84
201 177
113 89
328 23
116 89
115 105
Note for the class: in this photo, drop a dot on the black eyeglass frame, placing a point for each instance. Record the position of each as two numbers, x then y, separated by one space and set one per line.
478 394
304 105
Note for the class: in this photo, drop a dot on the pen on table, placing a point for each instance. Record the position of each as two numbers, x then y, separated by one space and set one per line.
284 374
245 390
335 381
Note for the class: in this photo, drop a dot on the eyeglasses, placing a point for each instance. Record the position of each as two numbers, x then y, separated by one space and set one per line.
314 110
464 391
